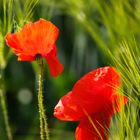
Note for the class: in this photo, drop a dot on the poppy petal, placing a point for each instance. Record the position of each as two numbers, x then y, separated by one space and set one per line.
25 58
94 127
12 41
115 104
95 89
117 101
34 38
67 110
54 65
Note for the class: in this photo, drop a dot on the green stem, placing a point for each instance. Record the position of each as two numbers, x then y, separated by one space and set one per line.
4 109
44 132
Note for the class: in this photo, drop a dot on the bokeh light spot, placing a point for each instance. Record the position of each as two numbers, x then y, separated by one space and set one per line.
25 96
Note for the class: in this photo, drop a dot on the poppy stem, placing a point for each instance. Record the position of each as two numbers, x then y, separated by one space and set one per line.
44 132
4 109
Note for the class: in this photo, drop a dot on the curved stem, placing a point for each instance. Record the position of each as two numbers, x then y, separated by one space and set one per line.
44 132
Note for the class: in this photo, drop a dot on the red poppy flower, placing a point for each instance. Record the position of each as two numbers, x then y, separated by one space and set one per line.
92 101
37 40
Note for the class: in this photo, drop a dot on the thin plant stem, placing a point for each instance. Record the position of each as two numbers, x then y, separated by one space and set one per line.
5 114
44 132
4 109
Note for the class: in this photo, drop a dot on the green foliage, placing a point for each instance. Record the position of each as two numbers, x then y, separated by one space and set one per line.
114 26
92 33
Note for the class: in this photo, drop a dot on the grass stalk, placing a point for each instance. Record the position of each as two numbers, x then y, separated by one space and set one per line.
4 109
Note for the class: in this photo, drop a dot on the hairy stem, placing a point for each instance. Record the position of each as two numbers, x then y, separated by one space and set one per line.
44 132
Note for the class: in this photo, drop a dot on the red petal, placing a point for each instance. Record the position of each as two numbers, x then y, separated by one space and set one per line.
34 38
115 104
94 127
55 66
95 89
88 99
25 58
12 41
67 110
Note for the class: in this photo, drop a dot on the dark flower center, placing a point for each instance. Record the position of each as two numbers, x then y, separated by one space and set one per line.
38 56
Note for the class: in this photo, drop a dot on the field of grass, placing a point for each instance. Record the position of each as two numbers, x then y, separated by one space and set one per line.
93 33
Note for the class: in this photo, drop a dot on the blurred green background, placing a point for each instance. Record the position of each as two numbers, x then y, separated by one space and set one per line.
93 33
